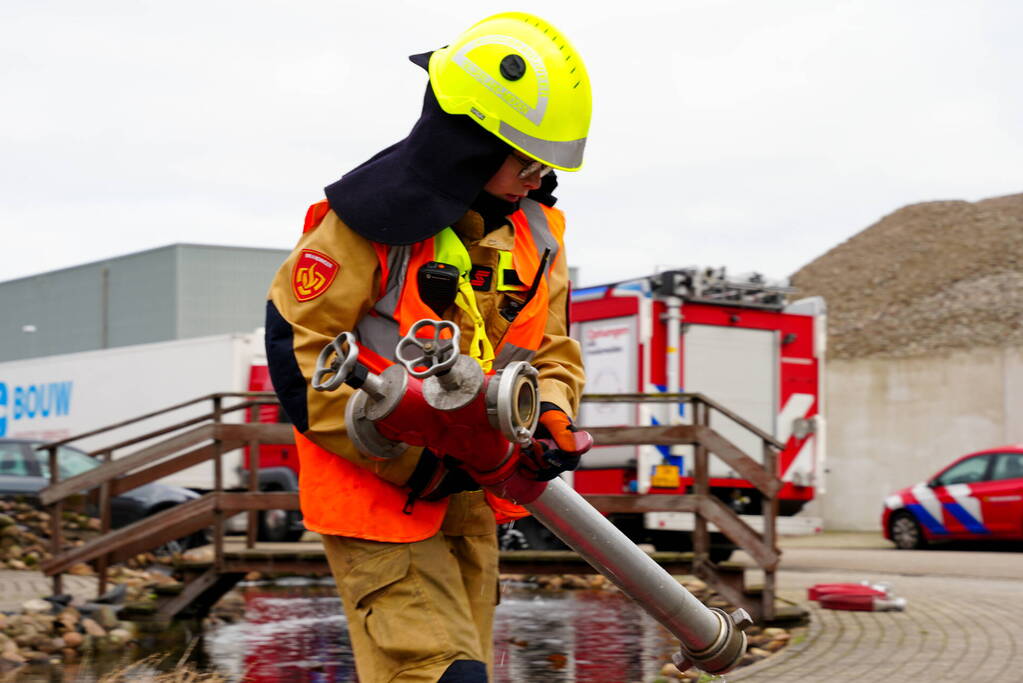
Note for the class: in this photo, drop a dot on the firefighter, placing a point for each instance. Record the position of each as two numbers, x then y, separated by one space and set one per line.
456 221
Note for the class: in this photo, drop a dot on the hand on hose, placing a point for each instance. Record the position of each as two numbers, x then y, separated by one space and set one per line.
557 447
435 478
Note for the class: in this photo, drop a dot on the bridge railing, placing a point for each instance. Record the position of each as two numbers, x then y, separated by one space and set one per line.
157 453
207 437
706 508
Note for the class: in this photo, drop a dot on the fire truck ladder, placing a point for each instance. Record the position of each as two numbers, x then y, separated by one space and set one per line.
715 286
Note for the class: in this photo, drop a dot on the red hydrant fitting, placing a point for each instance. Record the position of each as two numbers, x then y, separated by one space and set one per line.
442 400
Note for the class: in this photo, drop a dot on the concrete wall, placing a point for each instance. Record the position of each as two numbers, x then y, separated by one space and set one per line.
894 423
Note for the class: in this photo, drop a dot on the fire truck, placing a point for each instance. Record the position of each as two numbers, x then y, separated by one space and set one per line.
735 339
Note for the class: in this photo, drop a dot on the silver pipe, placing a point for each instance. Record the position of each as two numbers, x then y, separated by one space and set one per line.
710 639
374 386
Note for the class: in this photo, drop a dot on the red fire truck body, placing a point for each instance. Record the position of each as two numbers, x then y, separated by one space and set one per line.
736 341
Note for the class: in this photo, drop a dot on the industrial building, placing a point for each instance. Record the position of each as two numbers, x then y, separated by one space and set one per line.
173 292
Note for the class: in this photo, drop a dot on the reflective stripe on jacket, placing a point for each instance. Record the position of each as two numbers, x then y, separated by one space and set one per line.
374 293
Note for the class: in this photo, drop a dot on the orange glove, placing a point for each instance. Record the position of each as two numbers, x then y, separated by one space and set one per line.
557 426
558 445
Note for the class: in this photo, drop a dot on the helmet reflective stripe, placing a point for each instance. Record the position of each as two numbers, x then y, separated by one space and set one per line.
534 114
541 107
567 154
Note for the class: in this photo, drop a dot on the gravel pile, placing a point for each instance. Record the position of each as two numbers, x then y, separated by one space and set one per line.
937 276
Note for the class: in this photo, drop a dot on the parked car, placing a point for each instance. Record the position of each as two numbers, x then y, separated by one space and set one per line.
26 471
977 497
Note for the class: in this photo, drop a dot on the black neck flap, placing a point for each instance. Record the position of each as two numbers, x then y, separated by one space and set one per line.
417 187
414 189
494 210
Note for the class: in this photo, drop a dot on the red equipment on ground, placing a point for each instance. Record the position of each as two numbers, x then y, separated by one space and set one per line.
816 591
857 597
862 603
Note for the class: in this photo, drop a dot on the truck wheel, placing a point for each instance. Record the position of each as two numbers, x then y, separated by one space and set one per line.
172 548
180 545
510 538
905 531
721 548
527 534
196 539
280 526
721 552
671 541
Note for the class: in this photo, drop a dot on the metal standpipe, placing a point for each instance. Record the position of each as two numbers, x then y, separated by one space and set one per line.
711 639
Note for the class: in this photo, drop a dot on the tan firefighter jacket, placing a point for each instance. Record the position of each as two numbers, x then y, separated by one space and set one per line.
345 284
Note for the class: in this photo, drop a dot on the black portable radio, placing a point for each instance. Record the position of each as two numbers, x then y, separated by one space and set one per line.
438 285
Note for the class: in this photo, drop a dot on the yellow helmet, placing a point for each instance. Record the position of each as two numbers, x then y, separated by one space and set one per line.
519 78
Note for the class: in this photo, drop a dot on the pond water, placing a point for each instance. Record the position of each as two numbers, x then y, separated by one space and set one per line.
296 631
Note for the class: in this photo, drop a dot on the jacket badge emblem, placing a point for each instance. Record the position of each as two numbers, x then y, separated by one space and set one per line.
312 274
480 277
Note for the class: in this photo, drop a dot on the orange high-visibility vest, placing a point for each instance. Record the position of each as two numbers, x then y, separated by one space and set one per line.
341 498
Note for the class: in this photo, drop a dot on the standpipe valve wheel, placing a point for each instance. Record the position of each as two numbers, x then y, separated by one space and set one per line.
436 354
342 354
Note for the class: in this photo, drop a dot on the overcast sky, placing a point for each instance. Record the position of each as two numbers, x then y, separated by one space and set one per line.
749 134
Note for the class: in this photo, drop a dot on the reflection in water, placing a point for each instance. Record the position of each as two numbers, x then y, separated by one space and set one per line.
292 631
297 632
588 635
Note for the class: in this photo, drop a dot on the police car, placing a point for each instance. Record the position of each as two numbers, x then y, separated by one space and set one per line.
977 497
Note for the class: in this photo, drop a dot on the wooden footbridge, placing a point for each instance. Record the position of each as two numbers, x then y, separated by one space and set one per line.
215 432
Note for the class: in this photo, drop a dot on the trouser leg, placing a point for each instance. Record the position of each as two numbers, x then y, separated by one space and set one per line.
479 576
421 612
471 536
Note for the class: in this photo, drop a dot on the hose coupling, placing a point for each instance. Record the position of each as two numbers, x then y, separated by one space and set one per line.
727 649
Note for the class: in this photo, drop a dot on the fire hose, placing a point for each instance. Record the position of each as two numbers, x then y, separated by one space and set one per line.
441 399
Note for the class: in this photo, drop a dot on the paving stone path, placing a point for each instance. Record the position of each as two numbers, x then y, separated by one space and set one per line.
953 629
18 586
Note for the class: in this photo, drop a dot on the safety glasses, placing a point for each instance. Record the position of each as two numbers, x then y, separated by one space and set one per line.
531 167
